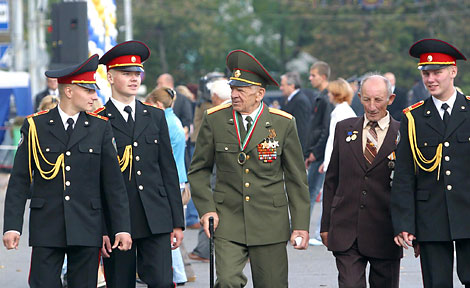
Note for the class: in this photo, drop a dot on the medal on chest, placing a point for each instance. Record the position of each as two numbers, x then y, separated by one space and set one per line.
267 150
242 157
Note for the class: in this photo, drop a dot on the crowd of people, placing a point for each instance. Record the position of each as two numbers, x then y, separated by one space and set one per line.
125 179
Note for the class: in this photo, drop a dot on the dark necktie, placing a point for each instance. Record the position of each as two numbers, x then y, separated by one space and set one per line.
371 144
69 128
130 121
248 125
446 117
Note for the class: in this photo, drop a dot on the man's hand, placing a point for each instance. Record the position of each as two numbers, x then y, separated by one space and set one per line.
11 240
302 234
311 158
123 241
404 239
176 238
321 169
106 248
205 222
324 238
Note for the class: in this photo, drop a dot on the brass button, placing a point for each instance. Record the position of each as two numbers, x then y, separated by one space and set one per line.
364 192
67 168
141 187
47 149
86 123
67 198
449 187
448 172
362 206
247 184
137 158
247 157
247 170
139 172
67 183
446 144
428 112
425 143
226 148
68 153
136 144
247 198
90 150
447 158
155 141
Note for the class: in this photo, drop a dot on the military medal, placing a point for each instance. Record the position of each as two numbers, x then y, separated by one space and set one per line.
267 150
242 157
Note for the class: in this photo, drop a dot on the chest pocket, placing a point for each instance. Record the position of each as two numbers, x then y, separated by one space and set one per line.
226 156
89 148
463 137
428 146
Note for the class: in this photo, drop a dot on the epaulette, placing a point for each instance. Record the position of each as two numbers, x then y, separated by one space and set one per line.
280 112
97 111
414 106
153 105
97 116
38 113
468 97
218 107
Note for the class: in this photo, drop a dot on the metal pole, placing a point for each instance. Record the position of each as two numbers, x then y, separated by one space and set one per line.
32 46
211 247
17 36
128 19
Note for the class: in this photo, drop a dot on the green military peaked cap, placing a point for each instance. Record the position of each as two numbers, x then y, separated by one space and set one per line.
246 70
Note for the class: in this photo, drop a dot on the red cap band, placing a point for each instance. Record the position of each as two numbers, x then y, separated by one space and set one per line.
87 77
125 60
436 58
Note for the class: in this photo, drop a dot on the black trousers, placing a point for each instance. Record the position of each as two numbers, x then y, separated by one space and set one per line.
153 258
46 266
351 264
437 263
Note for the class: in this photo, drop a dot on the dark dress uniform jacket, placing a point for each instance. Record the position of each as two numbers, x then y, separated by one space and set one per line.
434 210
356 199
154 193
73 216
299 106
251 199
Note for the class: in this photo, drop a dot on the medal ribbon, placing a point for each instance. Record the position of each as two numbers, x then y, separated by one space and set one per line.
252 128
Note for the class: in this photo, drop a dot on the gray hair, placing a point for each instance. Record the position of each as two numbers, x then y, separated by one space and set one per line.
369 75
221 88
292 78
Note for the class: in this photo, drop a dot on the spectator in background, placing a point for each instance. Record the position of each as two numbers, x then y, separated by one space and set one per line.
48 102
297 104
401 98
340 95
164 98
356 104
320 123
184 90
418 92
51 89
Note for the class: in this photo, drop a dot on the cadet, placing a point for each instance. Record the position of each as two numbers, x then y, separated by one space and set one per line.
149 171
260 178
430 197
70 158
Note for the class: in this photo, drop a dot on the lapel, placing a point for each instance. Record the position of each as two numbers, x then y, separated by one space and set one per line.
261 130
356 145
80 130
142 118
56 127
230 124
389 144
117 121
458 116
434 120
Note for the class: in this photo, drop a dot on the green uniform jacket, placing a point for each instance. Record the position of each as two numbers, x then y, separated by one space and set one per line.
252 200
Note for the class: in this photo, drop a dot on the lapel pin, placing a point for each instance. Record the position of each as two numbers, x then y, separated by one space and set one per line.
51 121
86 123
428 112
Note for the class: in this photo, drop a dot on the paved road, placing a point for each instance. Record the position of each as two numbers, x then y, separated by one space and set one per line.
314 267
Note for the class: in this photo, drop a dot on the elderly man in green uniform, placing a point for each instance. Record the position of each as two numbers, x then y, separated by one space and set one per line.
260 179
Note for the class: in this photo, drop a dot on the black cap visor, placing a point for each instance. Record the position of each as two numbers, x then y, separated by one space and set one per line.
239 83
129 68
432 67
92 86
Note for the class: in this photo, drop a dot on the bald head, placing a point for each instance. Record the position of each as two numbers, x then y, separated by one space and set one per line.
165 80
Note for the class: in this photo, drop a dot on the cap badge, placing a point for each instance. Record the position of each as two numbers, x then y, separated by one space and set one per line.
429 58
237 73
133 59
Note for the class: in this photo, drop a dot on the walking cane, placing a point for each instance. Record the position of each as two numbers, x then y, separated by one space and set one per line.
211 247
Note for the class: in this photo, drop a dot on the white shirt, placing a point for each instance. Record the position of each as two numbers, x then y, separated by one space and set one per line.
342 111
252 115
120 107
64 117
292 94
438 103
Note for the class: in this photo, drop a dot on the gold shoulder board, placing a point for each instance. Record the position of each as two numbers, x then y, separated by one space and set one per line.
99 109
97 116
280 112
38 113
218 107
414 106
153 105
